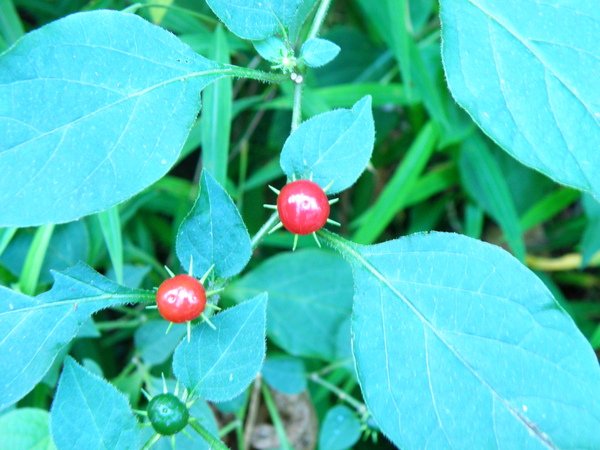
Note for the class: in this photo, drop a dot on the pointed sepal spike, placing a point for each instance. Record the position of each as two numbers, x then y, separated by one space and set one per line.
205 276
317 239
295 243
152 307
208 322
275 228
213 307
214 292
169 271
333 222
164 383
275 190
268 206
169 327
145 393
191 268
334 200
326 188
189 331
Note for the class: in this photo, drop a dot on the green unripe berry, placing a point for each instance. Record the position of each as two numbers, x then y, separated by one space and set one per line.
168 415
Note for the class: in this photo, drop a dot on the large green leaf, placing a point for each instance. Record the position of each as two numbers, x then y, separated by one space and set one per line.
219 364
213 233
257 19
458 345
333 147
527 73
310 295
88 412
25 429
100 106
33 330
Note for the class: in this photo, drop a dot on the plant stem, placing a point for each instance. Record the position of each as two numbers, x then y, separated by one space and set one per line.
276 418
36 254
360 408
259 75
252 411
319 18
264 229
233 425
297 107
212 441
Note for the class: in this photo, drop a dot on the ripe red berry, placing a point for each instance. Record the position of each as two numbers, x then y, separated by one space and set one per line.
303 207
181 298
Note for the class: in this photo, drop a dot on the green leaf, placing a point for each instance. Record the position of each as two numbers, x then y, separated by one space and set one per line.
285 374
310 295
69 245
256 19
526 72
272 49
332 147
88 412
216 115
102 103
213 233
590 242
458 345
25 429
219 364
340 430
35 329
153 342
318 52
485 182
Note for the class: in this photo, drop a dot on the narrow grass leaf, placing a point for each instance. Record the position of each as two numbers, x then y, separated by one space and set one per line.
483 180
396 192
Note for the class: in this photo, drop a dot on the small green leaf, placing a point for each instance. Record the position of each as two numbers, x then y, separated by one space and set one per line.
285 374
317 52
213 233
310 295
25 429
272 49
458 345
527 73
35 329
332 147
102 103
153 342
340 429
88 412
219 364
485 182
256 19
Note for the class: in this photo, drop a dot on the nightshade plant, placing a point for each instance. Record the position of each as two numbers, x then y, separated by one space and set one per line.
455 343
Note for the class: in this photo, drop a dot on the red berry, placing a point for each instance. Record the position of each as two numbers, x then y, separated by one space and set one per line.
303 207
181 298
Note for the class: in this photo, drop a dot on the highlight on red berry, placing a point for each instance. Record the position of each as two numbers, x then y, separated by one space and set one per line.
181 298
303 207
